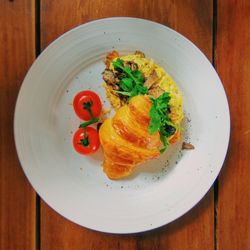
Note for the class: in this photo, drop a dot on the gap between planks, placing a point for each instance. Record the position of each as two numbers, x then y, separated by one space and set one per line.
38 51
214 57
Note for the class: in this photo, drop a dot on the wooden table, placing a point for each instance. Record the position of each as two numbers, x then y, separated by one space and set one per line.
221 29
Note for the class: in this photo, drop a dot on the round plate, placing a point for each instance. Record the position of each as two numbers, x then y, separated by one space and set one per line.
75 186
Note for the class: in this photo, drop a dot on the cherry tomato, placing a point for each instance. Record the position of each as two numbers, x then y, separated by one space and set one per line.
88 97
88 145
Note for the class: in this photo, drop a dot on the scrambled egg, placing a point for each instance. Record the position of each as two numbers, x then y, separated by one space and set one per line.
165 82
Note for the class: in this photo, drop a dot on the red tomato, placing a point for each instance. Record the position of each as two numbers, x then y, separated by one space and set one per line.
85 97
88 146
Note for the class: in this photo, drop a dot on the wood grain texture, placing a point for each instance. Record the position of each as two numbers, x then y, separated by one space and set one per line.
192 18
17 51
233 65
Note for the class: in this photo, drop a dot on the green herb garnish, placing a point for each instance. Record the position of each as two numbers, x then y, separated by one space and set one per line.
159 119
85 141
132 82
90 122
131 85
87 106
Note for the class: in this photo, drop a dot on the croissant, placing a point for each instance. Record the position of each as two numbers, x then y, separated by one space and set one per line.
125 138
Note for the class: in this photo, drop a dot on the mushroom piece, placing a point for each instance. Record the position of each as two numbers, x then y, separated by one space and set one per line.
132 65
151 80
186 145
140 53
109 77
156 91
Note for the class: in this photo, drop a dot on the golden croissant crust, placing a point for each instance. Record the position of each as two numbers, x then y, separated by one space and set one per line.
125 138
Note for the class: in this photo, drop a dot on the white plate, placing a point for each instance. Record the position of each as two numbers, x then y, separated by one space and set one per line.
75 186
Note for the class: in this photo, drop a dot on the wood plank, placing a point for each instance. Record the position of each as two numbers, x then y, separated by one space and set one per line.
194 20
194 230
17 52
233 64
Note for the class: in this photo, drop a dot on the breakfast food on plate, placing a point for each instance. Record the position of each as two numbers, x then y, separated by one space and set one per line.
155 79
126 140
148 114
148 117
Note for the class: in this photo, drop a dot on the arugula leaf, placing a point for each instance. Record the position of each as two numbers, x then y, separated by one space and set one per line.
118 63
132 82
142 89
138 75
134 92
126 84
159 119
155 121
164 142
123 93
